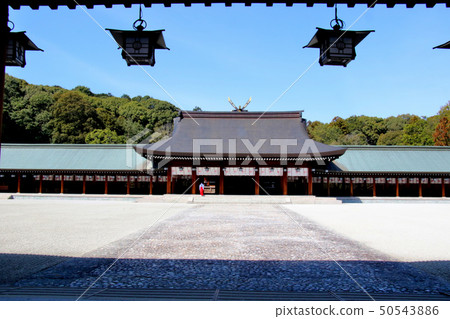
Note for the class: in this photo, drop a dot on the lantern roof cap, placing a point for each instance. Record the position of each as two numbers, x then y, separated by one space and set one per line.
357 36
155 35
24 40
446 45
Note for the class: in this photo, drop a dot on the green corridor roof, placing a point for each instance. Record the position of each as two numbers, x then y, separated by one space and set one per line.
420 159
69 157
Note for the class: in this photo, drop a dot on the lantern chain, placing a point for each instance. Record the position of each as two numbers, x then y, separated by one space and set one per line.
338 23
140 24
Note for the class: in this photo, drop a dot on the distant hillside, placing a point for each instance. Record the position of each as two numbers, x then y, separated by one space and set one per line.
405 129
51 114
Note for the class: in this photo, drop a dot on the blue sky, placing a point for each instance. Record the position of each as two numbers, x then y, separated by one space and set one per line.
219 52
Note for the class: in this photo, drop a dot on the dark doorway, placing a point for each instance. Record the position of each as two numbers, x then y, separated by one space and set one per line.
239 185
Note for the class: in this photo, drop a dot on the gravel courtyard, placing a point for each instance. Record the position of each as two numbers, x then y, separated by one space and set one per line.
253 247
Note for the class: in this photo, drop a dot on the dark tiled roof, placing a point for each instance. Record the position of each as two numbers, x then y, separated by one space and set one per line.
259 131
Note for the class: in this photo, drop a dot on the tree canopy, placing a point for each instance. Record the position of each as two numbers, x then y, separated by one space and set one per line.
51 114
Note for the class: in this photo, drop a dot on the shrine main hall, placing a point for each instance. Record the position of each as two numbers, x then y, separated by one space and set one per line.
248 153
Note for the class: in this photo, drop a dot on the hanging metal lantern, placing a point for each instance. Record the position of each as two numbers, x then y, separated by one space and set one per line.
18 44
138 47
337 46
446 45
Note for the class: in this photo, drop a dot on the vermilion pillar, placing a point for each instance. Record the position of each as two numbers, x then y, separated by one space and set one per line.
221 181
351 187
420 187
328 186
257 181
284 182
443 188
40 184
397 188
151 185
310 181
194 178
128 184
106 185
62 184
18 182
84 184
169 180
374 187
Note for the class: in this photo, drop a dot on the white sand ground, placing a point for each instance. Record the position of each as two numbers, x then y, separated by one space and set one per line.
73 227
407 232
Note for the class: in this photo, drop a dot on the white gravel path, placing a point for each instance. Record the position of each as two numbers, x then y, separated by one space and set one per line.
407 232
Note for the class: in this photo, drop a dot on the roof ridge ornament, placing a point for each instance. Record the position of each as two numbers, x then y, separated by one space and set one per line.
239 109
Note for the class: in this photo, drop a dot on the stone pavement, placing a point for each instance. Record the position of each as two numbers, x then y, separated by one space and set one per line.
241 247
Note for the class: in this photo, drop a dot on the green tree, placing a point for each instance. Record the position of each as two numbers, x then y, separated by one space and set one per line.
73 117
417 132
104 136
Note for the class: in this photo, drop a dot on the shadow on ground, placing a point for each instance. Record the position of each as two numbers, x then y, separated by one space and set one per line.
236 275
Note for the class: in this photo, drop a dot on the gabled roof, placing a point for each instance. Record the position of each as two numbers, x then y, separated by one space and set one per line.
69 157
238 133
417 159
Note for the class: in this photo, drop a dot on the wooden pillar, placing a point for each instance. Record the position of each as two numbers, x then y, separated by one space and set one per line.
443 187
221 181
62 184
84 184
106 185
284 181
397 187
40 184
310 181
4 31
351 186
257 181
169 180
328 186
420 186
151 185
128 184
194 178
374 187
18 182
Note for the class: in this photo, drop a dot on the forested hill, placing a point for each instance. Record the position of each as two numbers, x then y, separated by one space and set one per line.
51 114
405 129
